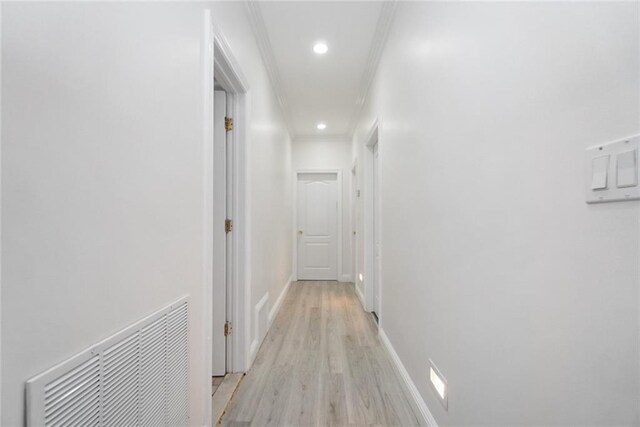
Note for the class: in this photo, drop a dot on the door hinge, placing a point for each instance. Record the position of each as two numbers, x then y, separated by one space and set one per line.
228 124
228 225
227 328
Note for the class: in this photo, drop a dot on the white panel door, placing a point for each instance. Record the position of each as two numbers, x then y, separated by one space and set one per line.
219 341
318 226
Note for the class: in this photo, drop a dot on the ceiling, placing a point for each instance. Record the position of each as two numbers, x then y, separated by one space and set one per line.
325 88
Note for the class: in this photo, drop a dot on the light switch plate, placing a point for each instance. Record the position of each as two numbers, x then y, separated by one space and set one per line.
611 171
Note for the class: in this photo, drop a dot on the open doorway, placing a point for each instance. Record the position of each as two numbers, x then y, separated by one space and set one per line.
225 231
372 225
376 232
223 195
226 313
355 220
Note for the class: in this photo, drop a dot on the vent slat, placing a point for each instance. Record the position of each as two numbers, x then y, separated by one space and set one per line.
77 370
73 388
121 376
63 381
153 363
127 387
123 415
87 418
154 328
177 413
131 348
124 399
64 418
176 392
115 395
154 411
127 363
157 420
179 316
72 397
178 330
130 341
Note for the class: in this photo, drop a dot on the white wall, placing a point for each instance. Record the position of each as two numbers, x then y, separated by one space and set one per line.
269 168
334 154
493 265
102 177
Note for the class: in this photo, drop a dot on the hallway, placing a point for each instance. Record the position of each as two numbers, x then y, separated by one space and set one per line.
234 192
321 364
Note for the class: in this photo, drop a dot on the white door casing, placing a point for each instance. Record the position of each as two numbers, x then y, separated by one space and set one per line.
376 231
219 342
317 238
220 63
368 241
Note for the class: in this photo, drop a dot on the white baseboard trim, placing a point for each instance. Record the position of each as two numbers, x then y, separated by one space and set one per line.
260 325
361 298
345 278
273 312
276 307
426 414
253 351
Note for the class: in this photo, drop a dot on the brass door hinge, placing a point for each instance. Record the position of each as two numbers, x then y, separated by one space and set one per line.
228 225
228 124
227 328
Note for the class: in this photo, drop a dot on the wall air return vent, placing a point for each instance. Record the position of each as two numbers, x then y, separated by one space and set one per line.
137 377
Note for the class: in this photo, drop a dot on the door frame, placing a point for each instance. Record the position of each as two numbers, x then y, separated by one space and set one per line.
298 172
369 207
219 62
354 199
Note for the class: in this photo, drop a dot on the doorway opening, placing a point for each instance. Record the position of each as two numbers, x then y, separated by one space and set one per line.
376 232
372 225
355 220
229 312
223 214
318 217
225 319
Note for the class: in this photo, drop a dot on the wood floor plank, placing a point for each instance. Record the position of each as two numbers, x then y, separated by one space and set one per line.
321 364
223 394
332 408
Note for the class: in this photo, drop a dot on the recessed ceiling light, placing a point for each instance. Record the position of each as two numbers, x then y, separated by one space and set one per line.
320 48
321 126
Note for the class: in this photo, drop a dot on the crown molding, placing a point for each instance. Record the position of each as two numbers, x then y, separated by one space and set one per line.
266 51
375 53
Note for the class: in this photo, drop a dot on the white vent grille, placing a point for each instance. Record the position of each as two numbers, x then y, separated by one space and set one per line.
74 398
137 377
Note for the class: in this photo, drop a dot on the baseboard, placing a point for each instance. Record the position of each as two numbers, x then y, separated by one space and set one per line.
426 414
276 307
273 312
345 278
253 351
260 325
361 298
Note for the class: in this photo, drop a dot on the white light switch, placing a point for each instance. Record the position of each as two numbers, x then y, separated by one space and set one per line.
611 171
599 172
627 169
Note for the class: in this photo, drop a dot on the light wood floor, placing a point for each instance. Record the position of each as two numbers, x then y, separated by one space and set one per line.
321 364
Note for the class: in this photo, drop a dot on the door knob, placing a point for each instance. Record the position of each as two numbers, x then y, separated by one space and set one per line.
300 232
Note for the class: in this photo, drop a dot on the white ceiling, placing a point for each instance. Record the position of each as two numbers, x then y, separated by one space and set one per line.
320 88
